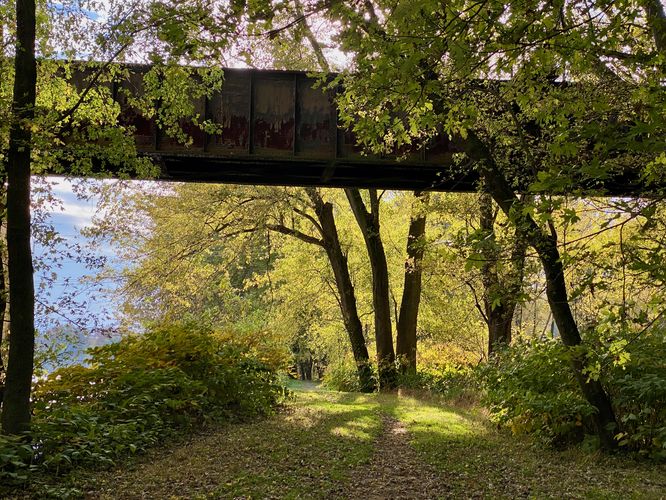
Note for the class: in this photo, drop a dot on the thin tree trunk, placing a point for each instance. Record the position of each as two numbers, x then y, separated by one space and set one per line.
16 404
338 261
493 300
411 292
546 247
369 224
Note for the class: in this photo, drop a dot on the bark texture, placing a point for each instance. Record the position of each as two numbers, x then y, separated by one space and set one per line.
16 403
411 292
3 305
656 18
368 222
546 247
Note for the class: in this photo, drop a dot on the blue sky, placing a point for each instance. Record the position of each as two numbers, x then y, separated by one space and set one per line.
68 215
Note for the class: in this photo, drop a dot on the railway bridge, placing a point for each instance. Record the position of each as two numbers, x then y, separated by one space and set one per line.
278 128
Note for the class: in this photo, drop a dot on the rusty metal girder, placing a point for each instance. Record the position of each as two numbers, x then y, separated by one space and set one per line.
276 128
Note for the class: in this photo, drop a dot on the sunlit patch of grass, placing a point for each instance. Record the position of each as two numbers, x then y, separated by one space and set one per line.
308 450
311 449
334 433
478 460
361 429
439 421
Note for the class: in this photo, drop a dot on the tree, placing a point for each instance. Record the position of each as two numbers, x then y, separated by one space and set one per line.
411 291
16 401
445 62
501 290
556 289
72 126
338 261
368 222
199 231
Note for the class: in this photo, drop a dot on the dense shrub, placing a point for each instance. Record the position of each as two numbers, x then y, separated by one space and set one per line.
637 386
531 389
453 381
133 393
341 375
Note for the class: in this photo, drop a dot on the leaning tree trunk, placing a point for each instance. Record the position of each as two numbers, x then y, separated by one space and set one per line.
411 292
338 261
369 225
546 247
16 404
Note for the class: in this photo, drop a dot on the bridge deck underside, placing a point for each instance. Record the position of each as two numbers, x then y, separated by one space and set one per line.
280 128
331 173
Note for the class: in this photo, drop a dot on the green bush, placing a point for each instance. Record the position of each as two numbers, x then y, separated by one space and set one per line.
637 387
452 381
16 457
531 389
134 393
341 375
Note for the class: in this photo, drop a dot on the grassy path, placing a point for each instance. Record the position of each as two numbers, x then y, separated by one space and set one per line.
335 445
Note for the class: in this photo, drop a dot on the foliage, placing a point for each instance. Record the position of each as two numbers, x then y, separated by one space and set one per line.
528 391
637 382
310 451
330 444
133 393
341 375
452 381
15 458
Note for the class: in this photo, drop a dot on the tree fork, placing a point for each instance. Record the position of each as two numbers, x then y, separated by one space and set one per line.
369 224
338 260
499 317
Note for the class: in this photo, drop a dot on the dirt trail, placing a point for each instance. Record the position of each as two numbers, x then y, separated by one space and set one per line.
395 471
357 446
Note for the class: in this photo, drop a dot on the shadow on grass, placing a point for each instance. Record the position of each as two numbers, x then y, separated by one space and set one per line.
480 461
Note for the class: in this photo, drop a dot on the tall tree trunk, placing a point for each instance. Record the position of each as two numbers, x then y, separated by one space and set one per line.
338 261
16 404
546 247
500 295
411 292
495 301
369 224
3 300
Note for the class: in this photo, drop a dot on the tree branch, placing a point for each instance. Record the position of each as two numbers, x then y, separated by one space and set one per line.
309 217
279 228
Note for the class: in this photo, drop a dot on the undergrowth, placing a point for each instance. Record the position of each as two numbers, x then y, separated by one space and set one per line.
132 394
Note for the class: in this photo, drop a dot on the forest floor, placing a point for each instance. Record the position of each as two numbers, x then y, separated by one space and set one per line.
344 445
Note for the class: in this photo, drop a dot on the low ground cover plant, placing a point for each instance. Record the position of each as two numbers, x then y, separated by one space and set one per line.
134 393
